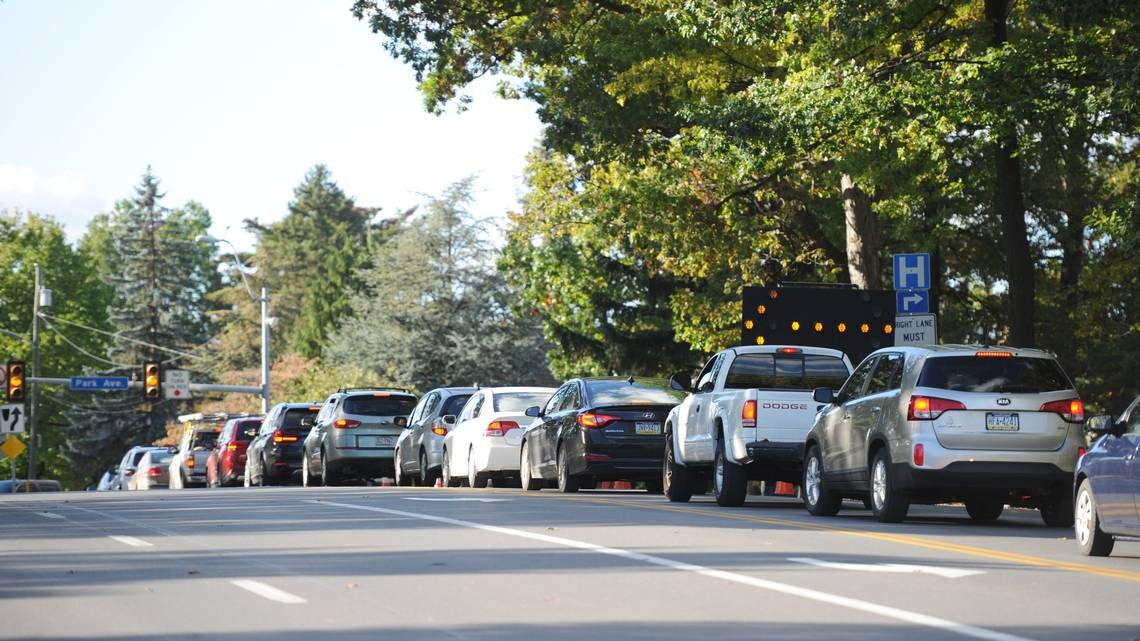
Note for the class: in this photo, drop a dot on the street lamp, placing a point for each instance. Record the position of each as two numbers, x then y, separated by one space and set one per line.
264 300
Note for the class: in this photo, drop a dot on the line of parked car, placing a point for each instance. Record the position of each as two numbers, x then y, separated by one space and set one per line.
984 426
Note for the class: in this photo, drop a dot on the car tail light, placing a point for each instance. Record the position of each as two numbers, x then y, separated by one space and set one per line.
232 447
154 472
748 414
500 428
928 408
994 354
345 423
190 461
439 430
1072 409
281 437
919 454
791 350
1080 453
590 420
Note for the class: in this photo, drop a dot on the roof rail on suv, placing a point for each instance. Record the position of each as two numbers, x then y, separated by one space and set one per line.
373 389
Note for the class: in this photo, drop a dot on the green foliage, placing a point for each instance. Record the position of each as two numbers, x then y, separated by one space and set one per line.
432 312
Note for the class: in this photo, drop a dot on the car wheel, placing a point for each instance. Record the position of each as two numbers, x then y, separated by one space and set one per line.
474 478
1092 539
887 504
818 499
675 479
529 483
247 482
427 479
328 477
984 509
304 471
730 483
445 470
567 483
263 478
1057 510
402 479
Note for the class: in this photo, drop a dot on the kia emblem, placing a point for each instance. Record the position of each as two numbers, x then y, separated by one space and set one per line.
1004 401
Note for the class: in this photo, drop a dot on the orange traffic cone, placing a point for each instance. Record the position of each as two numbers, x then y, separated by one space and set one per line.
439 483
622 485
783 488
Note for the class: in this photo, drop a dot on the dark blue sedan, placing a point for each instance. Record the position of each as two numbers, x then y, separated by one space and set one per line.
1107 482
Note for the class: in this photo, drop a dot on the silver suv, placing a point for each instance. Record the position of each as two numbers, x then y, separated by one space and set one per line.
419 451
984 426
355 434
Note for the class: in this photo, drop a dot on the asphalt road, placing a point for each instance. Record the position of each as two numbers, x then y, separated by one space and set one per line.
364 563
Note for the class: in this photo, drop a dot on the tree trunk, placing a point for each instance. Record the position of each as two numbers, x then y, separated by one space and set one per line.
1010 202
862 238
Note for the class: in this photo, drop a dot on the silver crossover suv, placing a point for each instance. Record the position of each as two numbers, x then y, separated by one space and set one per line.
984 426
355 434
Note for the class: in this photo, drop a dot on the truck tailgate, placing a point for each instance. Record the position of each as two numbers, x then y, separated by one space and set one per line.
784 416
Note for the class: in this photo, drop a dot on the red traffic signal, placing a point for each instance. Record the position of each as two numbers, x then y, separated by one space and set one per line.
16 381
152 380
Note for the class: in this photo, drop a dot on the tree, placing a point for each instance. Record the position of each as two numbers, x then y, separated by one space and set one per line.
160 281
432 312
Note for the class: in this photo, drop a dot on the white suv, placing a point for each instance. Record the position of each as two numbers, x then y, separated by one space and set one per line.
981 425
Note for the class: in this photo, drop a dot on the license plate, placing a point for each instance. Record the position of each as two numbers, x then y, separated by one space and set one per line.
1002 422
376 441
647 428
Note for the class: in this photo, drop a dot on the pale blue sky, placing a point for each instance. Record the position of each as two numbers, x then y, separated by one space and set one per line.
231 102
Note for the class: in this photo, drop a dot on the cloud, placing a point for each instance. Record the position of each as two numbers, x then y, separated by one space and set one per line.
68 197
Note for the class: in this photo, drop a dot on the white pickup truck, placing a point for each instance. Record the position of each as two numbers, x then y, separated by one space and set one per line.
746 418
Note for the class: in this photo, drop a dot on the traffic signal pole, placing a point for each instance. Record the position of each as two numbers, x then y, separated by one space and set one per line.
265 350
33 415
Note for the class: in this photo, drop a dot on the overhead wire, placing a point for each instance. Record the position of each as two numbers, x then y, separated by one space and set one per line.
118 336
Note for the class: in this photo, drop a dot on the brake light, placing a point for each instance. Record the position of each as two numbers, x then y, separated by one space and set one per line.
281 437
381 394
1081 453
748 414
928 408
919 454
1072 409
994 354
190 461
792 350
232 447
154 471
500 428
590 420
345 423
439 430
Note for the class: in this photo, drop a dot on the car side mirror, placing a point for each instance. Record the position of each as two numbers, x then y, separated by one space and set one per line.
1100 425
823 395
448 419
534 411
681 382
707 386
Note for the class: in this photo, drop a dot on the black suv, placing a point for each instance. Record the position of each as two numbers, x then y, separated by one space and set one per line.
274 455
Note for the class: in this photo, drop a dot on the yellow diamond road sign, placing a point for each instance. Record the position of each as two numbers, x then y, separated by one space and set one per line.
12 446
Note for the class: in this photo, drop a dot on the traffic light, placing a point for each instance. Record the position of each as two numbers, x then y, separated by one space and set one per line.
16 381
152 380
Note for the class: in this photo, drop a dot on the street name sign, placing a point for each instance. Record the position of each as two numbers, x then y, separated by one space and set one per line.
920 329
12 418
98 383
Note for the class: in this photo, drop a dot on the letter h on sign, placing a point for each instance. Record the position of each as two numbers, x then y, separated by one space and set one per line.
912 271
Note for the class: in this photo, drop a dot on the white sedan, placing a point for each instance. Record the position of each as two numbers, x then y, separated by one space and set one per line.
484 443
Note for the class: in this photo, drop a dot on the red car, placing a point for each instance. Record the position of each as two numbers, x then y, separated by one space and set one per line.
226 465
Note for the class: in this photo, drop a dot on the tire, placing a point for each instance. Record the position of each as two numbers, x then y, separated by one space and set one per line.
263 478
1092 539
474 478
308 479
247 482
1057 511
402 480
984 509
567 483
328 477
730 483
427 479
676 481
445 469
528 482
818 499
887 504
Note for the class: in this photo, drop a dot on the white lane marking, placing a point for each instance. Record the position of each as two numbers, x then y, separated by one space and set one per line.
453 500
132 541
900 568
907 616
268 591
51 515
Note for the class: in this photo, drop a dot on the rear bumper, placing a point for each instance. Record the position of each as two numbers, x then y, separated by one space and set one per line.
496 457
965 479
374 461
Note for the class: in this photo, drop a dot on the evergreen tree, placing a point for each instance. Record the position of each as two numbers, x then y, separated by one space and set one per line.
160 281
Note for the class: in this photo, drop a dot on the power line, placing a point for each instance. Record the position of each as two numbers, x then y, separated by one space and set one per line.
80 349
119 336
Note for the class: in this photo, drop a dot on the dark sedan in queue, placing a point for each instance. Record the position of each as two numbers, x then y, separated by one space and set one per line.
598 429
1107 483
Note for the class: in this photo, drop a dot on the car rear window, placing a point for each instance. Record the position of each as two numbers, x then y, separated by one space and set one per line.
379 405
246 430
204 439
160 456
786 371
619 392
294 415
454 404
1013 375
519 401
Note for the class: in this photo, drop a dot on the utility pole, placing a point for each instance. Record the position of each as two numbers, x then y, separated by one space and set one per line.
33 415
264 350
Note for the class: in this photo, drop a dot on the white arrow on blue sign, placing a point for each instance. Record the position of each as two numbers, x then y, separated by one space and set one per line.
912 271
98 383
912 301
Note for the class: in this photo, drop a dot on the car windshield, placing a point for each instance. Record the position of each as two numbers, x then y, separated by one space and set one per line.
372 405
780 371
1012 375
454 404
519 401
622 392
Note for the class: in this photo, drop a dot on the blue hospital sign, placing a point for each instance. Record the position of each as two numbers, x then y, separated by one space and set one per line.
912 271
